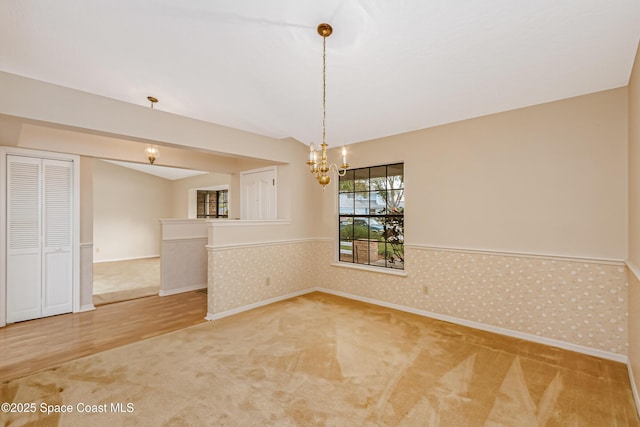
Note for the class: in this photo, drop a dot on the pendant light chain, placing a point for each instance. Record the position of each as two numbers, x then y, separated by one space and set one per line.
324 88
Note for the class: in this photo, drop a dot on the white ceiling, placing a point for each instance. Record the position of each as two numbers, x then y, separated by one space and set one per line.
165 172
392 66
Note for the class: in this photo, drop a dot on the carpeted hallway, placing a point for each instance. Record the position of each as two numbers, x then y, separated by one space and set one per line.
124 280
319 359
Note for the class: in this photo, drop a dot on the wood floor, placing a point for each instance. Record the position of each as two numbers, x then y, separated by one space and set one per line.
31 346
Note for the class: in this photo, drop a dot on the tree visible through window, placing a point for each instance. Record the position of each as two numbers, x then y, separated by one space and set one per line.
212 204
371 216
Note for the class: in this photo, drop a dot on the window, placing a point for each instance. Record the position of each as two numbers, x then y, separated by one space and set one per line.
371 216
212 204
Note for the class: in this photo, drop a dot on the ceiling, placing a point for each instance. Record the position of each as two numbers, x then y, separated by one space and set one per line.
166 172
392 66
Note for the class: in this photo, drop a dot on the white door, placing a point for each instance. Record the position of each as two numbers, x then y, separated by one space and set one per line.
39 237
258 188
24 245
57 261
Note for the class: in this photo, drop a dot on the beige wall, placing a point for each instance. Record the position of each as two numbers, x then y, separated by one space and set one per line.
127 208
10 128
634 221
181 188
634 164
86 233
86 200
549 179
41 137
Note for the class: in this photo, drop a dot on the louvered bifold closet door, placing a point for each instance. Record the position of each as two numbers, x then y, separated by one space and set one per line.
24 246
57 233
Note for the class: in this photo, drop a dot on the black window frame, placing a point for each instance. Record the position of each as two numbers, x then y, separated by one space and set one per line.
371 230
221 200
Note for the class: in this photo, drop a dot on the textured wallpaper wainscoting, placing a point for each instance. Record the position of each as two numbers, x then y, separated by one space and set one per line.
579 302
582 303
245 275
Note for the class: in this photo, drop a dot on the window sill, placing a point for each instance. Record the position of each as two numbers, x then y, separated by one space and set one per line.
380 270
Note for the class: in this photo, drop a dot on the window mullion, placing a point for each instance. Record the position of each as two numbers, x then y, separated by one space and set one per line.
371 216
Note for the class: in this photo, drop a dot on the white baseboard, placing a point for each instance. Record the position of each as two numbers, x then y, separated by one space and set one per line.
126 259
216 316
87 307
489 328
164 293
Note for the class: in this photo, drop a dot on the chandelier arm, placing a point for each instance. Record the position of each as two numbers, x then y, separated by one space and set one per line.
339 170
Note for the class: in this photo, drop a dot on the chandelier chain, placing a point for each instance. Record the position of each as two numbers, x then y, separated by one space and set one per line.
324 88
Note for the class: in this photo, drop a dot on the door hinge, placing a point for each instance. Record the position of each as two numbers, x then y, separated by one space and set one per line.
273 181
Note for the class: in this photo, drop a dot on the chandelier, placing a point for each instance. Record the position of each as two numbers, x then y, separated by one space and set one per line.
152 151
321 169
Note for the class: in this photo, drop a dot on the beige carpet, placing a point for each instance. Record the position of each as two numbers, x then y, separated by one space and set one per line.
124 280
323 360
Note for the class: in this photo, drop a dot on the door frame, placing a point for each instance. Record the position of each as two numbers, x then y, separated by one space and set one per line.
75 244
